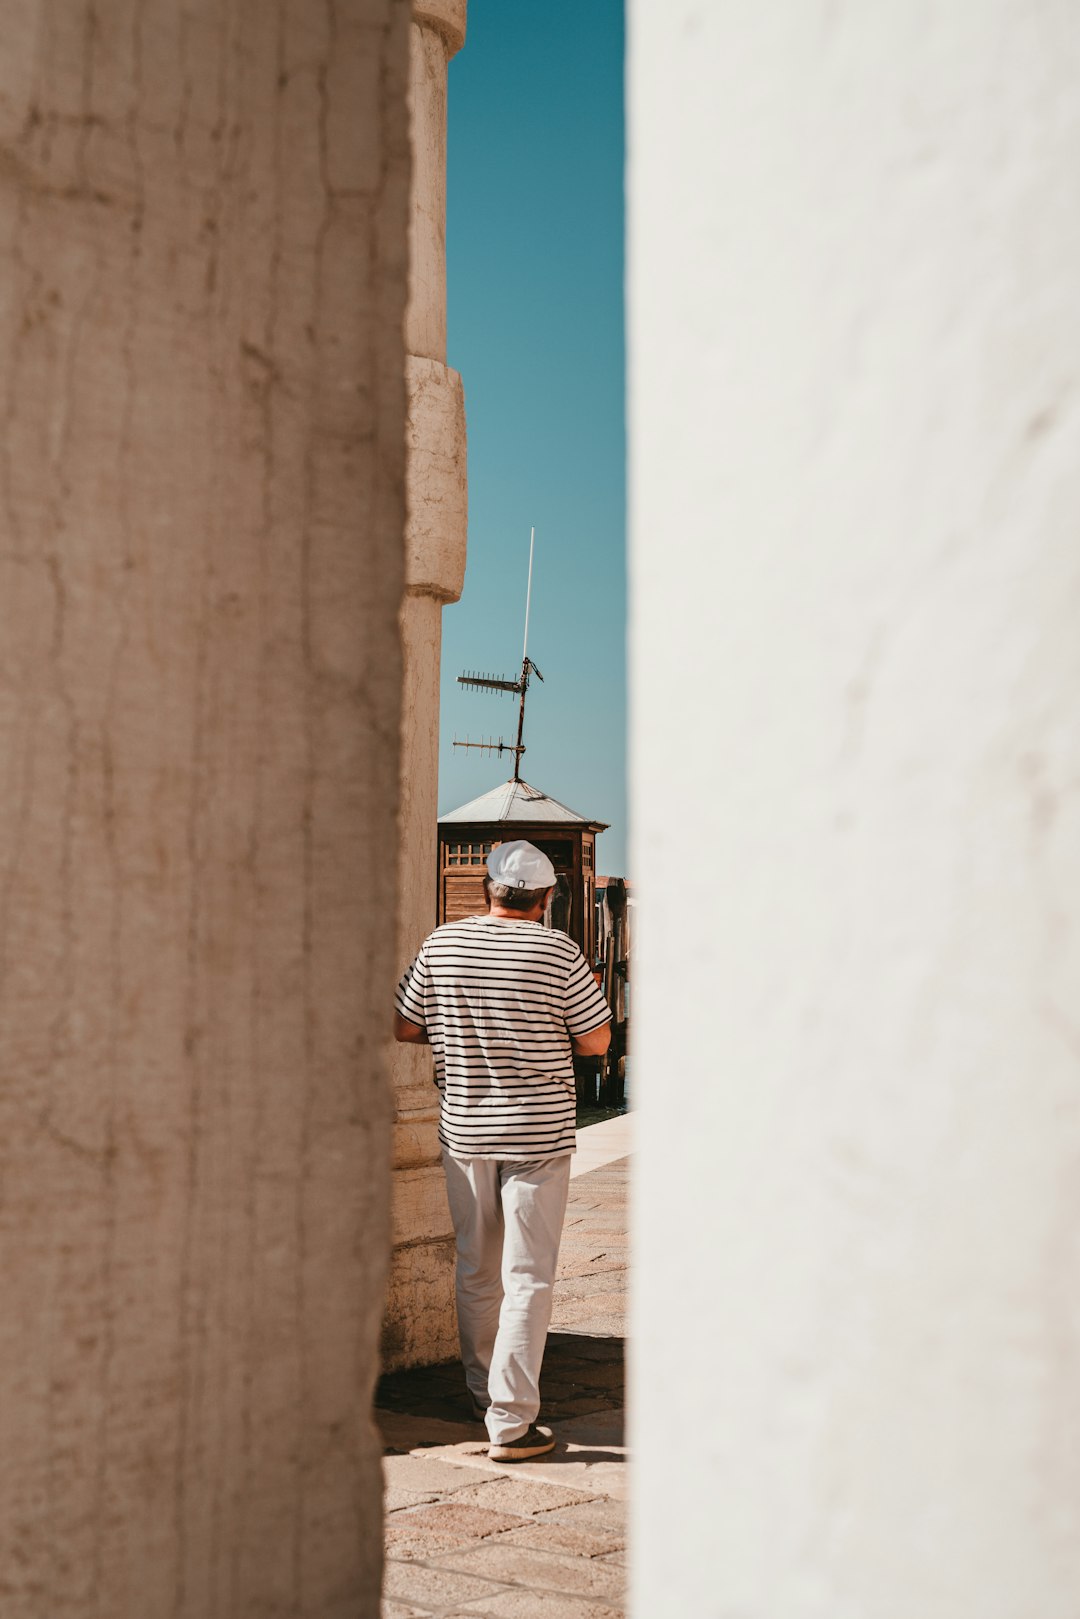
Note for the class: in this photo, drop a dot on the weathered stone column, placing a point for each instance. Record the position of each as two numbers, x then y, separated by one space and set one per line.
203 225
420 1321
856 407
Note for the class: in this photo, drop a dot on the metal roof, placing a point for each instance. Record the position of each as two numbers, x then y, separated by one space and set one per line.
517 801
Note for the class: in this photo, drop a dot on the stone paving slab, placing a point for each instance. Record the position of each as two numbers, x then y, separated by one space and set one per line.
607 1513
441 1526
468 1538
509 1492
598 1313
536 1605
424 1473
601 1144
546 1535
539 1570
436 1586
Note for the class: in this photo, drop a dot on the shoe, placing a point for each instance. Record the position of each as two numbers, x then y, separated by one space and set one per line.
533 1442
479 1412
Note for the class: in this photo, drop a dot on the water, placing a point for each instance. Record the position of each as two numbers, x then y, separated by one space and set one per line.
590 1112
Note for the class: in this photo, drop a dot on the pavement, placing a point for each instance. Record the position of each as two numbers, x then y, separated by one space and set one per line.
602 1144
467 1538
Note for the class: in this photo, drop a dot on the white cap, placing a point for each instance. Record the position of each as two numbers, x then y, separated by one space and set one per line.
520 865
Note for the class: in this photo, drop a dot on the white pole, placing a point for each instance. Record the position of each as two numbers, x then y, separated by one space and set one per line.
528 594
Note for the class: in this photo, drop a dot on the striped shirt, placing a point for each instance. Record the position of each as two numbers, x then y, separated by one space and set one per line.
499 1000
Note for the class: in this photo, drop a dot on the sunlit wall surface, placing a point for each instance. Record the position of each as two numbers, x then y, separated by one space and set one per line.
855 494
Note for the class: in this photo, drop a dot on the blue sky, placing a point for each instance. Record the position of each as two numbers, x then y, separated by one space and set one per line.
535 297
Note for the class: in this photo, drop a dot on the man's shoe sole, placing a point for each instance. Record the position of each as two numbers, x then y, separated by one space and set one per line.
518 1452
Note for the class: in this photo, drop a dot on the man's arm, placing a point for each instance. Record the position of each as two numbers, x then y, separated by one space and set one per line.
409 1034
585 1003
593 1044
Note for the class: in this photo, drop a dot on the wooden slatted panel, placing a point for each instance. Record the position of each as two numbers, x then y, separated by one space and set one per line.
463 895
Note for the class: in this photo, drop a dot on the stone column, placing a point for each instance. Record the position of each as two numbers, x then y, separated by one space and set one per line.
203 226
855 491
420 1321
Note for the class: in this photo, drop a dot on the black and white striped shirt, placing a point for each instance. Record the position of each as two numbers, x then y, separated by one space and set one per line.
499 1000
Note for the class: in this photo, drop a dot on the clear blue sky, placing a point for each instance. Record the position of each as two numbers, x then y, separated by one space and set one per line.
535 294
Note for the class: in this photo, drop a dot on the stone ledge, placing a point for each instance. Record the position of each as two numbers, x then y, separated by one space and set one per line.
420 1325
436 487
448 16
420 1210
416 1143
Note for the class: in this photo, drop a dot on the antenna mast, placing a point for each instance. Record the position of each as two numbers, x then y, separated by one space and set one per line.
519 687
528 595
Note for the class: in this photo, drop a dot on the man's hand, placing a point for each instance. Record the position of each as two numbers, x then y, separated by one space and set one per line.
409 1034
593 1044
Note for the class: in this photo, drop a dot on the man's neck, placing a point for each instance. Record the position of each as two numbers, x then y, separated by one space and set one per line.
504 915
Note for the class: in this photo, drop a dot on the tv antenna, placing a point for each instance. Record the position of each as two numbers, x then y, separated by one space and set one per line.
518 687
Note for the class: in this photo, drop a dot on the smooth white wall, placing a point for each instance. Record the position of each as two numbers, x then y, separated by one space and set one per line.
855 490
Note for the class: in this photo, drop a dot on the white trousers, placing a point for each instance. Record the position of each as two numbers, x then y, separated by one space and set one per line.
508 1219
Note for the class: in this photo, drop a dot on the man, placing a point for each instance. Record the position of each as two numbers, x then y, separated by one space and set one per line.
504 1002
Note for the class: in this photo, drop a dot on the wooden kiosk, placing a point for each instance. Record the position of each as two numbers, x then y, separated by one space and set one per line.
516 810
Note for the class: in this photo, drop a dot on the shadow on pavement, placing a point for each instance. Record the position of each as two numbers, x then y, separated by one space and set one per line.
582 1375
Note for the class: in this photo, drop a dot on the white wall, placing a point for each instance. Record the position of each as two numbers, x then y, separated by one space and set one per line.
855 443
